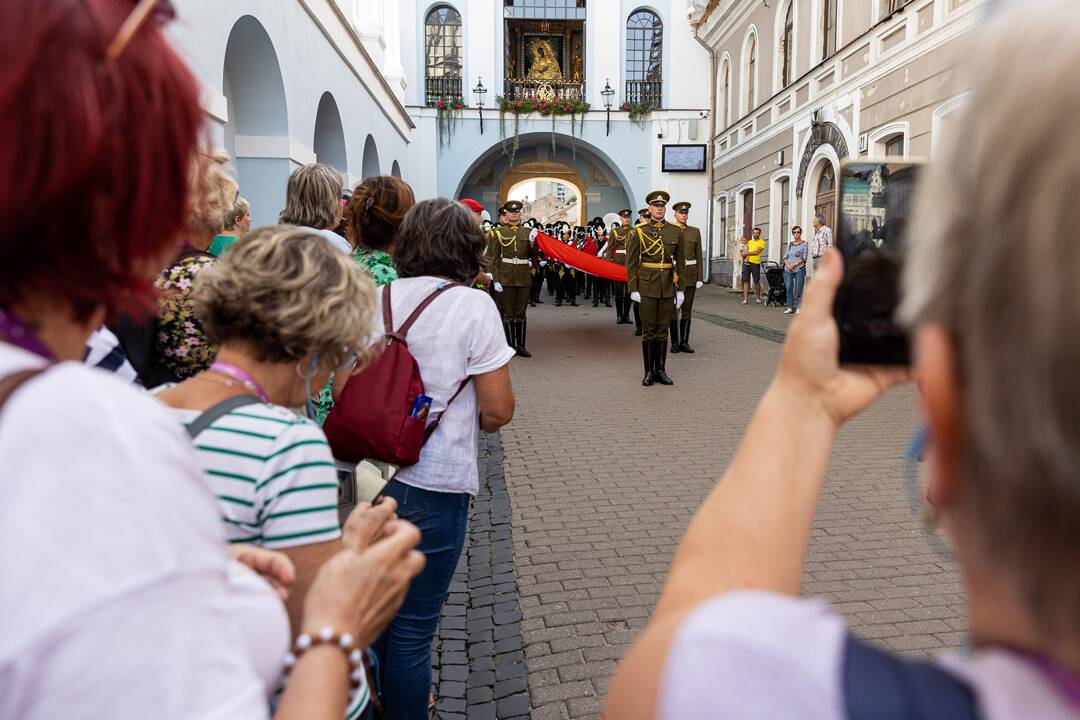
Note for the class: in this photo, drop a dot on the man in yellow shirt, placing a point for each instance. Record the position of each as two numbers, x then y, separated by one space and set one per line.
751 266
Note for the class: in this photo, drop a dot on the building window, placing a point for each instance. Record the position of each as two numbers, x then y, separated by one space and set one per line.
787 56
828 24
785 215
720 245
544 9
888 7
751 73
894 146
442 76
644 54
724 99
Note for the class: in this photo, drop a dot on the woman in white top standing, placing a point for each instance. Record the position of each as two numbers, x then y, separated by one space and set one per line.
458 337
1000 396
118 598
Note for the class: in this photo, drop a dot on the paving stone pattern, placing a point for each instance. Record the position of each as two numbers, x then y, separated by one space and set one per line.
604 475
477 657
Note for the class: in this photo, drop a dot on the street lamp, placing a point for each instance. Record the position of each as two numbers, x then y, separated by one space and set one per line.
608 93
480 91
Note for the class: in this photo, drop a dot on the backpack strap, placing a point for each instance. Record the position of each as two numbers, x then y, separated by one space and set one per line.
11 383
215 412
879 686
430 429
388 318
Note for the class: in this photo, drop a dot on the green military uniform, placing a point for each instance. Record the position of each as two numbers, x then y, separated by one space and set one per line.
618 241
680 327
654 267
511 252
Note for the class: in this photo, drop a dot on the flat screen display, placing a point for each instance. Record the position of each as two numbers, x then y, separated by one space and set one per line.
683 158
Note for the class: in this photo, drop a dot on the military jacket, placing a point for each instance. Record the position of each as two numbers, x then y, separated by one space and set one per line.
510 253
655 259
693 256
618 240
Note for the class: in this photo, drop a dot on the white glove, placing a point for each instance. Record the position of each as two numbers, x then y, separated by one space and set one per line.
533 234
680 296
490 276
543 263
530 263
635 296
698 284
498 287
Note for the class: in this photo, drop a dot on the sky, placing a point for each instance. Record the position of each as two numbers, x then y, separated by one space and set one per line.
525 190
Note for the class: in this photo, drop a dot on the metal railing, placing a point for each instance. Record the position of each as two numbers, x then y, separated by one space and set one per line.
438 88
644 91
518 89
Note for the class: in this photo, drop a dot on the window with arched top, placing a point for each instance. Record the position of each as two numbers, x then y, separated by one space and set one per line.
644 58
442 72
723 98
828 26
751 73
787 37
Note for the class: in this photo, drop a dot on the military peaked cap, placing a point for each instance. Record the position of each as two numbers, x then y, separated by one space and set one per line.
681 206
511 206
657 197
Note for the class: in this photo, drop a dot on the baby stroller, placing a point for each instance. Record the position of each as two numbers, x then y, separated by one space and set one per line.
774 278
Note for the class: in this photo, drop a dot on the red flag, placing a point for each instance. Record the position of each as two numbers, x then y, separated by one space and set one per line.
582 261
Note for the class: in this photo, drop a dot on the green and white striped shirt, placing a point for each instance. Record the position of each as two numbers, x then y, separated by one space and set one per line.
273 475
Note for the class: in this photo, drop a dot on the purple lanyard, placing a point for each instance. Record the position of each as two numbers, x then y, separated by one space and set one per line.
20 335
241 376
1064 681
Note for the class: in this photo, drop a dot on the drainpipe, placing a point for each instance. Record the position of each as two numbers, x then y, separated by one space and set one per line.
709 150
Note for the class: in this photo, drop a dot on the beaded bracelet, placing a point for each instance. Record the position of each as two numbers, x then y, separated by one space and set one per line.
327 636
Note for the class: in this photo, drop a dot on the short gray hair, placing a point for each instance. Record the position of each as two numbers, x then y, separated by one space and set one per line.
240 209
313 197
820 217
993 266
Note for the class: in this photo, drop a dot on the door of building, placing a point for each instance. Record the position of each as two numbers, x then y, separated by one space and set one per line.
825 201
748 214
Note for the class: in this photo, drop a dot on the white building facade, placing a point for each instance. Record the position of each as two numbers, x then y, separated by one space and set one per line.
355 83
800 85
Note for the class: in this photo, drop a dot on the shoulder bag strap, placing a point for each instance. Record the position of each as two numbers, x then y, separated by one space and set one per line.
430 429
10 383
879 686
387 311
223 408
401 331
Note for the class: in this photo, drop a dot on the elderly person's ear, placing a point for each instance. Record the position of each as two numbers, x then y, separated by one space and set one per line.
939 387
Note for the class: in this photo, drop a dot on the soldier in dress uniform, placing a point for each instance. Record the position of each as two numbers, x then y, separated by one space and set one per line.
618 237
691 281
513 248
643 217
655 263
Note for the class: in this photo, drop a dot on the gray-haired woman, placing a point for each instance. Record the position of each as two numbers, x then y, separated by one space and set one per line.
1001 400
313 201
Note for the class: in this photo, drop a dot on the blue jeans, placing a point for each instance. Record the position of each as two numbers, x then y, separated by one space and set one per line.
404 649
793 283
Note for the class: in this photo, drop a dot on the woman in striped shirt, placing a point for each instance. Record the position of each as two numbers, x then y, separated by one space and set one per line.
285 310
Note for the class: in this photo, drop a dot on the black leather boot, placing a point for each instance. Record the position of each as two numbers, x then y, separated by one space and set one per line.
520 330
647 357
660 363
637 320
673 332
509 337
684 336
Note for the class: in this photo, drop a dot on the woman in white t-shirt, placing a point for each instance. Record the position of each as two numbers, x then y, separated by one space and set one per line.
458 337
1000 396
119 599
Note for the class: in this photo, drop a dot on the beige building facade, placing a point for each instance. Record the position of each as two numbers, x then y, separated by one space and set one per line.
801 85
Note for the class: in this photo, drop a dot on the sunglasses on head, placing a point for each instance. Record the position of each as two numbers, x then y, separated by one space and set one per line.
160 11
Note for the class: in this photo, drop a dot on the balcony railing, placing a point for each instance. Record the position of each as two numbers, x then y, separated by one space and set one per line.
517 89
644 91
437 88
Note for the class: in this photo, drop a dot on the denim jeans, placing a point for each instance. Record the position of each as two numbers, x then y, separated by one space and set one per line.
404 649
793 283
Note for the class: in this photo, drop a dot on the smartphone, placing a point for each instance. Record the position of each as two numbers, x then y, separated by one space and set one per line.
873 229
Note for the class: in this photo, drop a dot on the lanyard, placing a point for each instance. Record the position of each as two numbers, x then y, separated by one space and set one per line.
1063 680
241 376
20 335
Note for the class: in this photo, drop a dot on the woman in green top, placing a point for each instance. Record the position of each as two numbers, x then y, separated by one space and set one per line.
372 217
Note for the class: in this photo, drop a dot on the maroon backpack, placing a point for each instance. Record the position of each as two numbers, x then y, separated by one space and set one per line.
373 418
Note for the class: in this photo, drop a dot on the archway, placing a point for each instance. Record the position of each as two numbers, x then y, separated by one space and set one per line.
257 131
330 136
554 197
395 170
371 158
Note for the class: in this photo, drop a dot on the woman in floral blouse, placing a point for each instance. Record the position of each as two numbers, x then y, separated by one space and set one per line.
372 217
181 345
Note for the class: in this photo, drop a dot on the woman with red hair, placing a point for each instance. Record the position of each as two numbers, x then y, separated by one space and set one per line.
119 598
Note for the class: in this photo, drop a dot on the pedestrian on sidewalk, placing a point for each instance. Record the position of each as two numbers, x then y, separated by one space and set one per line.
751 269
794 270
458 345
823 240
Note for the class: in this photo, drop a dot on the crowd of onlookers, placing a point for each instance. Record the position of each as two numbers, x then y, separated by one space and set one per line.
183 552
784 281
173 541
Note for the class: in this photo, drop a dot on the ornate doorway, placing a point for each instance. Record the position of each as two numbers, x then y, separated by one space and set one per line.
825 200
555 172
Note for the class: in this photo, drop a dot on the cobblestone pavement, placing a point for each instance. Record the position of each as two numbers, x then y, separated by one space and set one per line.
604 474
